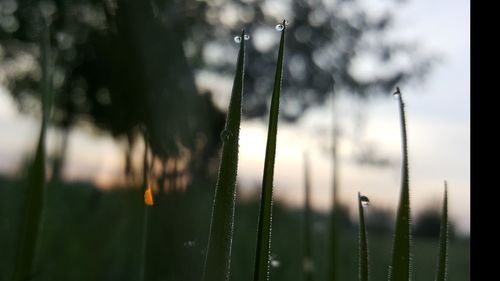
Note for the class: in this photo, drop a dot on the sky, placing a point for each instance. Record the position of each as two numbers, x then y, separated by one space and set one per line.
438 117
438 120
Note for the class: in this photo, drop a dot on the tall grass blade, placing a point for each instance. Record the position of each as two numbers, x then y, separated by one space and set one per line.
31 225
145 210
400 265
334 232
363 243
33 208
308 261
443 240
218 257
261 271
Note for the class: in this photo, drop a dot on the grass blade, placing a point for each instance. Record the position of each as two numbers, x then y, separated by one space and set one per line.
261 271
443 240
334 232
308 261
145 210
218 257
363 243
400 265
31 225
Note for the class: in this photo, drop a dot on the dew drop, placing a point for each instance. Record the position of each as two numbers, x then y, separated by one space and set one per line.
286 22
365 202
189 244
246 37
274 261
279 27
308 265
396 94
237 39
64 40
225 135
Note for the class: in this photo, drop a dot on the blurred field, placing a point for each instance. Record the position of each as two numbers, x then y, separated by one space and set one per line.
94 235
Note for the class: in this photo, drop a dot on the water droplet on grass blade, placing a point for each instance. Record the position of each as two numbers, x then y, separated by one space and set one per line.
189 244
273 260
396 94
308 265
279 27
237 39
246 37
365 202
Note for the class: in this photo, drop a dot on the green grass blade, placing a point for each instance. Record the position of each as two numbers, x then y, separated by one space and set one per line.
218 257
363 243
261 271
443 240
308 265
400 265
31 225
30 228
334 232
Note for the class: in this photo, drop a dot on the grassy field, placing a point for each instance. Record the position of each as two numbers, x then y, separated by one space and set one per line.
94 235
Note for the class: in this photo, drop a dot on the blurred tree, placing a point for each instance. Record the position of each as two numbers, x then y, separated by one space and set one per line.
115 65
428 222
329 45
380 221
120 64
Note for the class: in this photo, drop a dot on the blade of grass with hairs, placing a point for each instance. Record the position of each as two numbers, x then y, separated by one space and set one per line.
218 257
400 265
261 271
442 267
363 243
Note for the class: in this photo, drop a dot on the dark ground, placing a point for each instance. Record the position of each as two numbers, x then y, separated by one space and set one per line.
94 235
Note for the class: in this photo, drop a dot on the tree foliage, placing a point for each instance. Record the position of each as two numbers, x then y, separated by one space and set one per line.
120 64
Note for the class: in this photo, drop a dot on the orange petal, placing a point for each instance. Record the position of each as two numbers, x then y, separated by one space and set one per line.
148 197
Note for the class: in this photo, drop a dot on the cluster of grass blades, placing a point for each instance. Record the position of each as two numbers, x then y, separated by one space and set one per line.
400 268
31 226
218 255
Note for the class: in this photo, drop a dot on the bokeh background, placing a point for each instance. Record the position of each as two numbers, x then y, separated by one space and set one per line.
168 65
